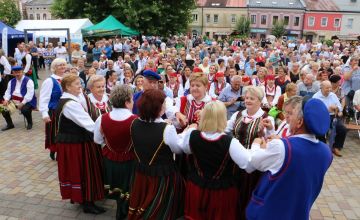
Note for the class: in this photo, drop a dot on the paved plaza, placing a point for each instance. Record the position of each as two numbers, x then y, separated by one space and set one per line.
29 182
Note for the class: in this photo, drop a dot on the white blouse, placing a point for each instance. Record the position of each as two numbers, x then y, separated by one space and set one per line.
74 111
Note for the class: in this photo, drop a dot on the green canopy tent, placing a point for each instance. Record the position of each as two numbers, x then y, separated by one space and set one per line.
109 26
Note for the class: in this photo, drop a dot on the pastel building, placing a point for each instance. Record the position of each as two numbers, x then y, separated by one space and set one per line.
350 22
216 18
322 20
264 14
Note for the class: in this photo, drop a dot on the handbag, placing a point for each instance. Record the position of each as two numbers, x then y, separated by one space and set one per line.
274 112
11 107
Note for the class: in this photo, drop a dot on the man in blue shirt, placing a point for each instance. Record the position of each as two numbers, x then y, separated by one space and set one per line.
231 95
250 68
107 49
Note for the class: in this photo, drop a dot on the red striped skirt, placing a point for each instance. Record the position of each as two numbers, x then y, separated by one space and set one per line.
154 197
211 204
80 171
50 132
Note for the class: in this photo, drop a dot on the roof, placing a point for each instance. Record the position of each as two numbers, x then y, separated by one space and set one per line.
39 2
75 26
347 5
13 33
289 4
222 3
321 5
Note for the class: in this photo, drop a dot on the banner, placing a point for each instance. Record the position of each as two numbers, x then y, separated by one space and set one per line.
4 39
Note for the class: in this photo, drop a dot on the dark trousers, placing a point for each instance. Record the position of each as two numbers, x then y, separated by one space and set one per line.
340 134
41 62
26 111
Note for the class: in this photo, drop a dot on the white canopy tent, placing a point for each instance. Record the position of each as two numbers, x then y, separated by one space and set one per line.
75 26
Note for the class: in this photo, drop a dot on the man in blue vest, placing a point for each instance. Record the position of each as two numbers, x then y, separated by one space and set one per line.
294 167
21 91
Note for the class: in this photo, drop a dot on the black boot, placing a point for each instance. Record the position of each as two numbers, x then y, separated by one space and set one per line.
28 117
89 207
120 212
52 155
9 123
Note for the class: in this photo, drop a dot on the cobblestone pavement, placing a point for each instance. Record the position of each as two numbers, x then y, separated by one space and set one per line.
29 182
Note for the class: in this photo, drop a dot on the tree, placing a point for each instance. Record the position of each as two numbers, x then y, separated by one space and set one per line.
158 17
9 13
243 26
278 29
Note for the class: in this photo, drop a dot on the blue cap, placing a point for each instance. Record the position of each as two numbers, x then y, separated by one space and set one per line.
151 75
316 117
16 68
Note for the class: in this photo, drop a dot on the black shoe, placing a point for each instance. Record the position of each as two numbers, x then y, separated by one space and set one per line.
100 208
52 155
29 126
90 208
8 127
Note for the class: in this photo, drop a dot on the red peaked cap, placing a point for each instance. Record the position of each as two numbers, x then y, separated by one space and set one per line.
197 70
173 74
219 74
246 78
270 77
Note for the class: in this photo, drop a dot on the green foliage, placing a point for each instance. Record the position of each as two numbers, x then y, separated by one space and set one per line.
243 26
278 29
329 43
158 17
9 13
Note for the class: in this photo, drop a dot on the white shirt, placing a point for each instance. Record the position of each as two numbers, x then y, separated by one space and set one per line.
231 122
118 47
252 159
117 114
329 100
28 63
276 95
60 52
29 93
45 95
213 89
74 111
7 67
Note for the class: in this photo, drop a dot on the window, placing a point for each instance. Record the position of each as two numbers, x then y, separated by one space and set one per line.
194 17
216 18
324 21
31 17
37 16
207 18
263 19
286 20
233 18
353 0
337 22
311 21
44 16
350 22
297 21
253 19
275 19
321 38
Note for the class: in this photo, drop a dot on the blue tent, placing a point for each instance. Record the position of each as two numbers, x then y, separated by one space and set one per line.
14 37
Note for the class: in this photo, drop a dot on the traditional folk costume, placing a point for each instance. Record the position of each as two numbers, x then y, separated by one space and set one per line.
96 108
188 106
295 166
216 88
211 189
20 91
29 70
176 89
79 165
50 94
246 128
113 131
158 188
272 94
5 71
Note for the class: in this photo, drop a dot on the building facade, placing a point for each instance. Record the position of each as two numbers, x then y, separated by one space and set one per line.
322 20
38 9
217 18
350 22
263 14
